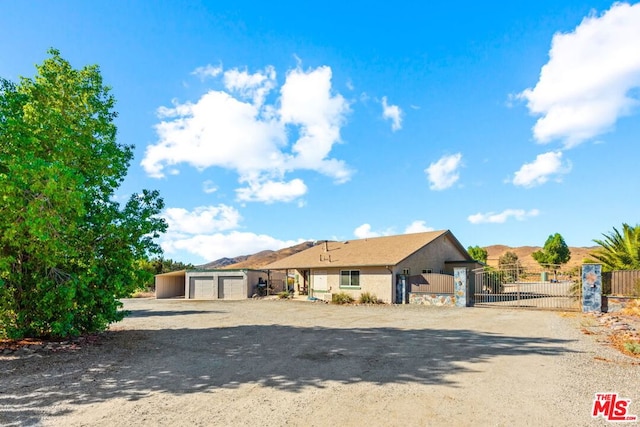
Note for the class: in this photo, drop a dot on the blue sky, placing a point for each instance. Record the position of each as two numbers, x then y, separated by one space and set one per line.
265 124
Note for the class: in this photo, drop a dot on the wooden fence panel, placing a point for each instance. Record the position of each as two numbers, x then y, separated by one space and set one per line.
622 282
431 283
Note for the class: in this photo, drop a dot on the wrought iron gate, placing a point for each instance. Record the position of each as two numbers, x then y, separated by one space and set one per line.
515 286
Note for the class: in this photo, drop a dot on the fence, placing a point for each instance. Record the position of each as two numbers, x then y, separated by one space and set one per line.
431 289
544 287
431 283
621 282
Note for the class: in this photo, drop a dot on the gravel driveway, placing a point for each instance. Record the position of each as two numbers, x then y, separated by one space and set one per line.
272 362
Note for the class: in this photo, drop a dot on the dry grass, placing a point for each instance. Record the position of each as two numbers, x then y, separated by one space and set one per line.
627 343
632 309
143 294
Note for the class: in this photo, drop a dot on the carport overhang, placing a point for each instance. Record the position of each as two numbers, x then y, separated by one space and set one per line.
170 285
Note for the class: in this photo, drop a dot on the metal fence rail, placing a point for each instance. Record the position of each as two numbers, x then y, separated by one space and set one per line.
546 288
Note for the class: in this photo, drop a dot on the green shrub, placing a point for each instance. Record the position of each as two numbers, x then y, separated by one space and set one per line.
342 298
632 347
368 298
285 295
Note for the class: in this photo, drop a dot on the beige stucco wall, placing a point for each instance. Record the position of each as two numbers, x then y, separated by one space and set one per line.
252 281
431 257
169 286
375 280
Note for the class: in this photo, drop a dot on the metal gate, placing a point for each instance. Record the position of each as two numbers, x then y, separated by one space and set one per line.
514 286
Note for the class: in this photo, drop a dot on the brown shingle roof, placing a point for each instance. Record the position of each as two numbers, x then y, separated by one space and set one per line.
376 251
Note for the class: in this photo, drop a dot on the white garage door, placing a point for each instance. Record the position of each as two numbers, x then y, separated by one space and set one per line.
201 288
232 287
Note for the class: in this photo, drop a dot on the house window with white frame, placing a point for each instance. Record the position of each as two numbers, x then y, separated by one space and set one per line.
350 279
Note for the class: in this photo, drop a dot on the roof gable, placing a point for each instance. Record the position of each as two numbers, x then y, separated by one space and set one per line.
376 251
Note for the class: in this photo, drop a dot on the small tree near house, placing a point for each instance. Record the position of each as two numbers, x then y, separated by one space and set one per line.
478 253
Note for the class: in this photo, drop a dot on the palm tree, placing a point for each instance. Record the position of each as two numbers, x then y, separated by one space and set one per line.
619 251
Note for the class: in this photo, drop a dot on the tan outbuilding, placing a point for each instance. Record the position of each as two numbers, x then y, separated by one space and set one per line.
209 284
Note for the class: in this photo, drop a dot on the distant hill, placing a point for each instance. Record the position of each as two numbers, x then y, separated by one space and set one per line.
578 254
257 260
260 259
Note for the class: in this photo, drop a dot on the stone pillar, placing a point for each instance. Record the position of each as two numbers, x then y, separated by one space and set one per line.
460 286
591 288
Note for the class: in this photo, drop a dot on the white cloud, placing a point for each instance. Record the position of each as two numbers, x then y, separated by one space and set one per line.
539 171
218 130
444 173
210 247
499 218
349 85
393 113
364 231
203 219
272 191
209 187
207 71
209 232
589 79
251 86
307 101
417 227
249 136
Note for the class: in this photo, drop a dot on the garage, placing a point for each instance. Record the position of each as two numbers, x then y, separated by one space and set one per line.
210 284
202 288
232 287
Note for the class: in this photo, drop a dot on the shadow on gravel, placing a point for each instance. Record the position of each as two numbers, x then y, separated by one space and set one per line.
152 313
130 364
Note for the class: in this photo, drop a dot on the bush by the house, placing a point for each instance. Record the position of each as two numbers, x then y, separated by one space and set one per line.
342 298
368 298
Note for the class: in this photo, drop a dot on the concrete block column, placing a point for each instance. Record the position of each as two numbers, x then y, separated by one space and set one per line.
460 286
591 288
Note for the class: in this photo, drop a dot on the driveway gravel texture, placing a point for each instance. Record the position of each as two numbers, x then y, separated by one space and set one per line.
297 363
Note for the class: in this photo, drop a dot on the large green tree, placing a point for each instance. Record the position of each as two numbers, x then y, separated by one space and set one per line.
619 251
554 253
478 253
68 250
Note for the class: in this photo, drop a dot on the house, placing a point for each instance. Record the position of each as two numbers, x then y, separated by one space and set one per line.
209 284
379 265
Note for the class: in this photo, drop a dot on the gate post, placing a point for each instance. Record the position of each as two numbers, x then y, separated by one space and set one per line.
591 288
460 286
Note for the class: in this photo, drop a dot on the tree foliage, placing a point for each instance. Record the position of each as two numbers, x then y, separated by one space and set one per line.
478 253
68 250
508 259
554 252
619 251
159 266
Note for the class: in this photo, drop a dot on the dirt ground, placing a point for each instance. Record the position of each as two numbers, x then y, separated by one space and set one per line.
276 363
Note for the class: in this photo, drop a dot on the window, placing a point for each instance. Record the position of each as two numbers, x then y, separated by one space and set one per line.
427 271
405 271
349 278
